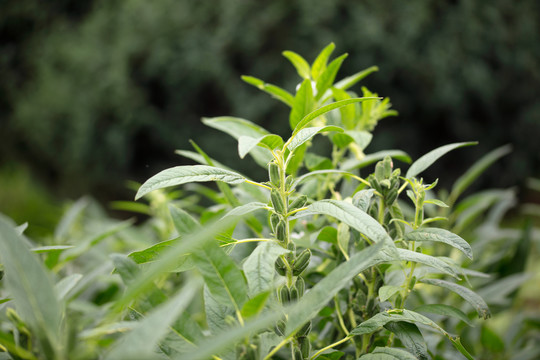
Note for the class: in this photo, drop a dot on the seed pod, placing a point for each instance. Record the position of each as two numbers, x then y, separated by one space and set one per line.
280 266
412 283
304 330
284 295
374 183
280 328
294 294
379 171
291 247
301 262
388 165
391 196
298 354
281 231
288 182
305 346
274 220
298 203
300 285
273 174
277 202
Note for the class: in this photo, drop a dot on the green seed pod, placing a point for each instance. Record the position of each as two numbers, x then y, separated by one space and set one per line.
412 283
304 330
305 346
391 196
284 295
280 328
294 294
291 247
379 171
298 203
300 285
301 262
273 174
277 202
388 165
374 183
298 354
274 220
281 231
280 266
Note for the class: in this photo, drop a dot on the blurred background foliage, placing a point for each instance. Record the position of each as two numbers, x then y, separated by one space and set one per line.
94 93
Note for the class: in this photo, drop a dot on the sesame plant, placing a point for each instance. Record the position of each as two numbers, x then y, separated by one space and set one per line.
337 256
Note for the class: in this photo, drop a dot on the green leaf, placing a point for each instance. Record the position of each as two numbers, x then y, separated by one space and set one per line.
276 92
445 310
440 235
307 133
303 103
259 266
352 164
362 199
436 202
219 317
352 216
319 65
324 290
246 209
426 160
379 320
32 290
237 127
301 65
153 253
410 337
476 170
429 260
326 108
69 218
470 296
255 305
491 340
51 248
189 173
388 353
348 113
224 280
183 222
328 76
386 291
353 79
64 286
140 342
200 159
247 143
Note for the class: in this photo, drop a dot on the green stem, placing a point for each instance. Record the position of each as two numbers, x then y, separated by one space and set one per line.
314 356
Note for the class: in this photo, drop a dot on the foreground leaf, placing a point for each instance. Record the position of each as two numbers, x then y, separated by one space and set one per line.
259 266
411 337
184 174
440 235
246 144
426 160
445 310
429 260
387 353
32 290
307 133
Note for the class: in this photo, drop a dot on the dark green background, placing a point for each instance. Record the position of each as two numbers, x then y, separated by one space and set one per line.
94 93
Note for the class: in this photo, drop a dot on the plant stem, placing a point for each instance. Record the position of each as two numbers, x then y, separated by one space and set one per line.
314 356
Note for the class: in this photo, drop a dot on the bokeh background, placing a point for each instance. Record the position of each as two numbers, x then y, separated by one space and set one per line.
94 93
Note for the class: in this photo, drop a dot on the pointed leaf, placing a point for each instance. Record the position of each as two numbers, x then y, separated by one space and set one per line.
276 92
307 133
444 310
200 159
247 143
353 79
224 280
31 289
184 174
388 353
183 222
470 296
246 209
379 320
255 305
299 63
140 342
362 199
259 266
303 103
352 164
410 337
440 235
319 65
387 291
328 76
426 160
408 255
348 113
64 286
324 109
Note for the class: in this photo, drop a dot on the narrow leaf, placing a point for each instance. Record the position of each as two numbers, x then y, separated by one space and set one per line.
64 286
319 65
276 92
391 353
379 320
307 133
353 79
190 173
301 65
386 292
324 109
470 296
303 103
328 76
31 289
255 305
408 255
426 160
247 143
183 222
444 310
440 235
411 337
352 164
224 280
140 342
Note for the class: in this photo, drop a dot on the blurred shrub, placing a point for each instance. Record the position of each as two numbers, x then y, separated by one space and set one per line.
94 93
